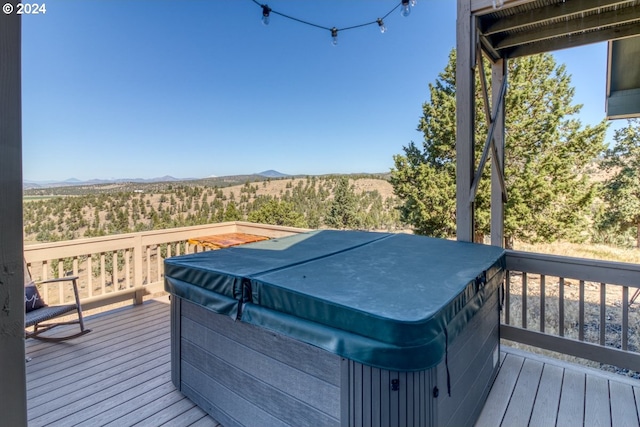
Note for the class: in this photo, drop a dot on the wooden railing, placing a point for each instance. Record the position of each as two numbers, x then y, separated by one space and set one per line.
573 306
580 307
117 268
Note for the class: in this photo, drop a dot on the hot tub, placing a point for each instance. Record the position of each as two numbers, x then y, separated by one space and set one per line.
337 328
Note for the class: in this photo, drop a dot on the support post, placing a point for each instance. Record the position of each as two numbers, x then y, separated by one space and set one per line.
13 394
498 77
465 121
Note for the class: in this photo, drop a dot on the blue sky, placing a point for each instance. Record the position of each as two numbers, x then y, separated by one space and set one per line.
194 88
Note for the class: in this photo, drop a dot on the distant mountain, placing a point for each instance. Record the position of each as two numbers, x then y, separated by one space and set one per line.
273 174
75 182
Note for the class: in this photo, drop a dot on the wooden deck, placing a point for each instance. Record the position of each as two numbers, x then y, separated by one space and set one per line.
119 375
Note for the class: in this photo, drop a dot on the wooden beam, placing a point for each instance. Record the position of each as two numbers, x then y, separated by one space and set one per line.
481 7
545 14
13 394
572 27
465 103
611 33
498 186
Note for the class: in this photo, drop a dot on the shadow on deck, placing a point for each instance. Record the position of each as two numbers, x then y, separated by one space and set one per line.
120 375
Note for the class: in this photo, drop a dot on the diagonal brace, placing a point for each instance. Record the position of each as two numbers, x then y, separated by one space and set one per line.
485 151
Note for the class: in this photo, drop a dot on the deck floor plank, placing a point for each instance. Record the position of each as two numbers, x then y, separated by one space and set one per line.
498 400
523 398
176 409
148 412
623 405
545 408
119 375
65 405
117 410
597 411
187 419
571 410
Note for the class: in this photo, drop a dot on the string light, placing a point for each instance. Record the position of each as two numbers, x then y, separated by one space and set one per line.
406 8
266 10
404 5
334 36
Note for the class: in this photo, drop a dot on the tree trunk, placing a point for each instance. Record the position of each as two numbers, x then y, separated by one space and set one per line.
508 242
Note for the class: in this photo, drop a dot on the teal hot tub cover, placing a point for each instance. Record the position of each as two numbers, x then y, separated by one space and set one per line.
392 301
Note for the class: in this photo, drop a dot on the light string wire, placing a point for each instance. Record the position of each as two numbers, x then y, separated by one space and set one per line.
377 21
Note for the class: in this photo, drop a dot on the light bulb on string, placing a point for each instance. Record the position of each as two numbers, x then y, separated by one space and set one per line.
405 8
266 10
383 29
334 36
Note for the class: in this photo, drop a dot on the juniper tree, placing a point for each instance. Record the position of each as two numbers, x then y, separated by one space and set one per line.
622 190
546 153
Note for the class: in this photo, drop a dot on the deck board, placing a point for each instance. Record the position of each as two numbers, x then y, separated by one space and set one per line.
523 398
119 375
545 408
500 395
597 410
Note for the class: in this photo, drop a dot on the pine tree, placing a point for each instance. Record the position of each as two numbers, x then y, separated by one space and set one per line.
622 190
343 211
277 213
546 153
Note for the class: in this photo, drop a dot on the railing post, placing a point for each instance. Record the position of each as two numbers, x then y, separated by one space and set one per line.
137 267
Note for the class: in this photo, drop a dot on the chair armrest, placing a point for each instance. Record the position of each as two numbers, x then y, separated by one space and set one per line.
72 279
60 279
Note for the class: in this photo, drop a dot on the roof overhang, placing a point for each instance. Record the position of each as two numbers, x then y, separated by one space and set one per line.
519 28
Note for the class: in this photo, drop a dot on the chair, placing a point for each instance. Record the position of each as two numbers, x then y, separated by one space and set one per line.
37 312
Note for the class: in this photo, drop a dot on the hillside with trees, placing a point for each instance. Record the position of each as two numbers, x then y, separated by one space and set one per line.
311 202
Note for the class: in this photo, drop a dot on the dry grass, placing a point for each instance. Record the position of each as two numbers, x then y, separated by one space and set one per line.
583 250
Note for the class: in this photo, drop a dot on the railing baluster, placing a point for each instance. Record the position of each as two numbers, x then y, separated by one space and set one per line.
625 317
103 278
603 312
74 264
159 262
507 295
89 275
581 311
148 261
45 270
114 271
543 317
127 268
524 300
561 307
169 250
60 285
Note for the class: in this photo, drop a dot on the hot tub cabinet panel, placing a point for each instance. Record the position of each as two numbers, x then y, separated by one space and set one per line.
280 351
244 375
